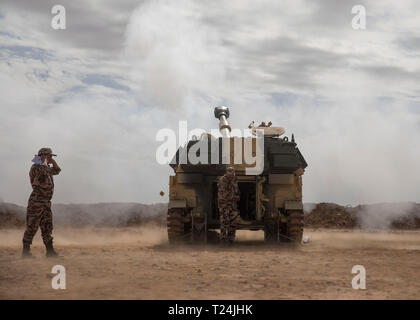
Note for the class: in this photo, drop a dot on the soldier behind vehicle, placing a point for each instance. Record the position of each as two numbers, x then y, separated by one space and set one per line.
228 195
39 204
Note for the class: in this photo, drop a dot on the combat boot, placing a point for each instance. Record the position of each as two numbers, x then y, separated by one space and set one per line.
26 251
51 253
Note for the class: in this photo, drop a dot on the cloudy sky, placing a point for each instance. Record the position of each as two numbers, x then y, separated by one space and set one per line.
99 91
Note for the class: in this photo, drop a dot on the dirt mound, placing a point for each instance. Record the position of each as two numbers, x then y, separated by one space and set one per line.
330 215
375 216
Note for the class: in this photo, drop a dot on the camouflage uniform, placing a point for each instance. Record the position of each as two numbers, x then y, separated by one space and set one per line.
39 213
228 210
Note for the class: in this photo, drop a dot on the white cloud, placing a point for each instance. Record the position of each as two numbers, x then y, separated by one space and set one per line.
98 92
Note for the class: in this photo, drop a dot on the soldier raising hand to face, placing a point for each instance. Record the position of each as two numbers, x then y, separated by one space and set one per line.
38 212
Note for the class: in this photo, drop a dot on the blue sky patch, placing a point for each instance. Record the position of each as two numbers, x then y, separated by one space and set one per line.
104 80
27 52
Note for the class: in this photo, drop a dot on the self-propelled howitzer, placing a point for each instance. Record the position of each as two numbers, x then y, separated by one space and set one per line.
270 196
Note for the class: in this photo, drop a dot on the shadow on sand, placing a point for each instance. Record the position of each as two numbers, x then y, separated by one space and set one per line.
241 245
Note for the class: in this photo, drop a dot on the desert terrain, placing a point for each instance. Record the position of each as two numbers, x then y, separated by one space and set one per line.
138 263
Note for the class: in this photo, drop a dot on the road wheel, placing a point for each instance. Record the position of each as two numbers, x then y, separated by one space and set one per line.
295 225
179 230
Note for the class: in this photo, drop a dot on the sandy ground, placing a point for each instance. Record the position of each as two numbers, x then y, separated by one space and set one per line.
138 263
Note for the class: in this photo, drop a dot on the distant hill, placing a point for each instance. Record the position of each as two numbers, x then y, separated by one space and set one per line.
98 214
11 215
405 215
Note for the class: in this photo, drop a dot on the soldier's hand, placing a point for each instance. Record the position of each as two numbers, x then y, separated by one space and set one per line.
50 160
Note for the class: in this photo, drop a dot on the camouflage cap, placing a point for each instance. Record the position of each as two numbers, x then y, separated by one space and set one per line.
45 151
230 170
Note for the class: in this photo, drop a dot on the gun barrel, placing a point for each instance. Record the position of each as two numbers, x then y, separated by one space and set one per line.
222 113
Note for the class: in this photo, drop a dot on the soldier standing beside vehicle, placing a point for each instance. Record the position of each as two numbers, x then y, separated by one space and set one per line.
39 204
228 195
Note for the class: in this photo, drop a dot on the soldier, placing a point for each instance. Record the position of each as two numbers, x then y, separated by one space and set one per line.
228 195
38 212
